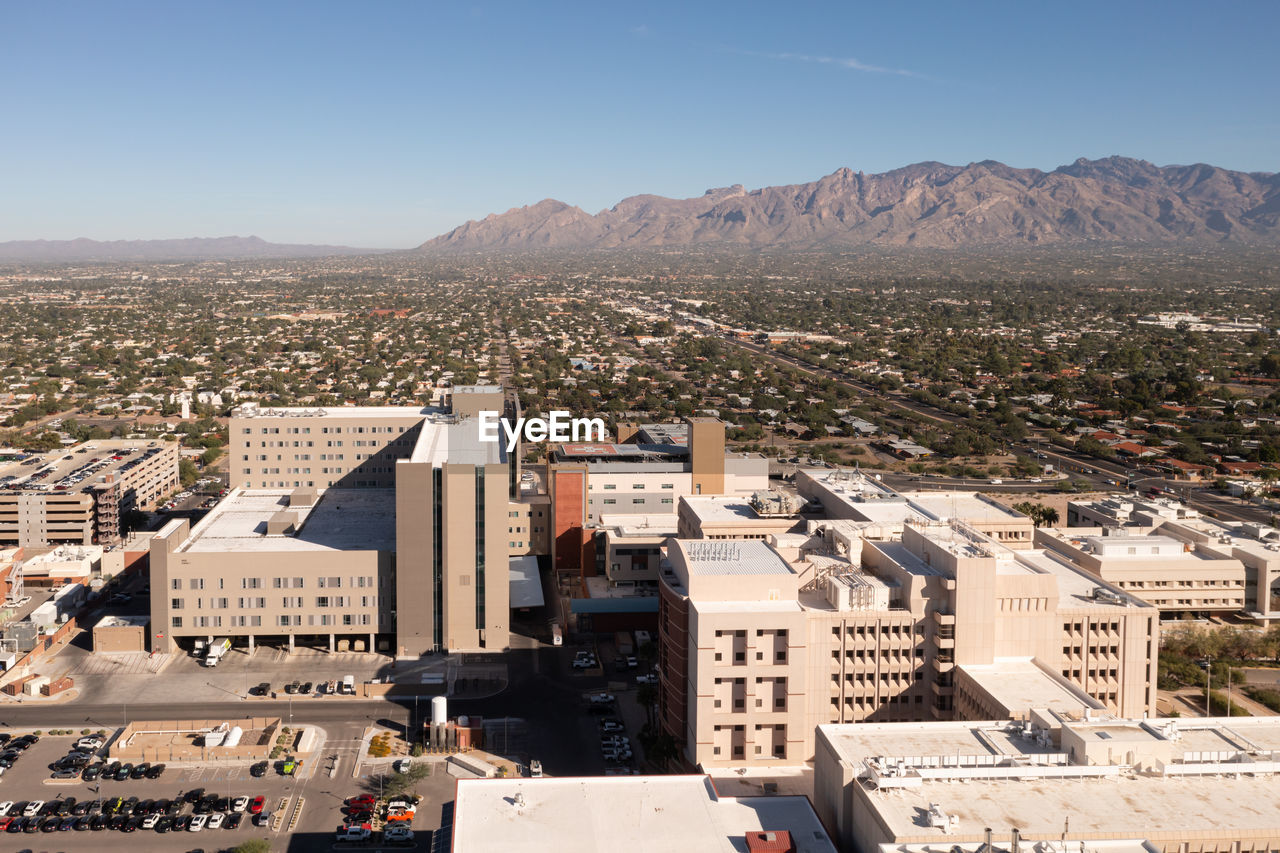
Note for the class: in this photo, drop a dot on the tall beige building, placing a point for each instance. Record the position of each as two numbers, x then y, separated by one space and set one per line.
760 642
368 528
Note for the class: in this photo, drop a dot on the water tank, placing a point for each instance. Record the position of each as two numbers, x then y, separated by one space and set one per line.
463 721
234 736
439 711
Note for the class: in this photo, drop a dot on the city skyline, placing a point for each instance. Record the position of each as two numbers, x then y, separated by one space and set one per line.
327 124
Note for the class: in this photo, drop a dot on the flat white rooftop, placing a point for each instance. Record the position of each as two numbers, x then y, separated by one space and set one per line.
732 557
342 520
637 814
1099 801
1075 586
525 582
449 439
721 509
1019 685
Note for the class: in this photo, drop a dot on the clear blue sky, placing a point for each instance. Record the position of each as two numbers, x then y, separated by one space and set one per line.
384 124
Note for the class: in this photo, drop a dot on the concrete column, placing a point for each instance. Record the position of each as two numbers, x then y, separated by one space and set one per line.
331 644
251 645
291 644
371 645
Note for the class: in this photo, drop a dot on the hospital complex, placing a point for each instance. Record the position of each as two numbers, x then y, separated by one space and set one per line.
893 642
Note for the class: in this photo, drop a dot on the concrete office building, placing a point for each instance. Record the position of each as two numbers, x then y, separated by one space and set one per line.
645 473
1255 546
761 642
1056 782
82 494
381 529
1176 576
857 497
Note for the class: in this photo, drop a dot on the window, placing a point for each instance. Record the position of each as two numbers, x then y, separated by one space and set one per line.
176 622
250 583
195 583
175 604
637 485
322 601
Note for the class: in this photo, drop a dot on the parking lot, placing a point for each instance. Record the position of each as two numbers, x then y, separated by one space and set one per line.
305 809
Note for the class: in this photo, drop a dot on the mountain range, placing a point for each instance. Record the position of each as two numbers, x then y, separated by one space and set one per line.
1113 200
194 248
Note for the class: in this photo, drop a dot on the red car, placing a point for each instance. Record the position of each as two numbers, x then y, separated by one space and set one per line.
255 805
362 801
4 823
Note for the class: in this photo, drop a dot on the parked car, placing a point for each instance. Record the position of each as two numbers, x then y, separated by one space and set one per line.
397 833
258 770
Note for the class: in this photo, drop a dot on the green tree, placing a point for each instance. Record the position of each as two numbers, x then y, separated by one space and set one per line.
187 473
405 783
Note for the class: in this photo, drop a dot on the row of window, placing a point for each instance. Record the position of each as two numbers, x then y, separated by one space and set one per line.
867 655
328 430
636 486
325 582
288 601
1076 651
613 501
283 621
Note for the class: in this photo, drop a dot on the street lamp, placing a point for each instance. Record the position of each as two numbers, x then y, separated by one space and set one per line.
1208 687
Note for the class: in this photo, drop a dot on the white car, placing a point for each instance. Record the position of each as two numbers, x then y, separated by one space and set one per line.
216 819
403 765
397 833
535 769
240 804
198 822
89 744
5 807
354 833
33 808
150 821
647 679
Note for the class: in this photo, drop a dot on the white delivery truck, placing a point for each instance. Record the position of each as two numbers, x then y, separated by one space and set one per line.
216 650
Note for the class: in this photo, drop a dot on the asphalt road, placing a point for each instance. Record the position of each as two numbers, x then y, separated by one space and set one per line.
544 692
